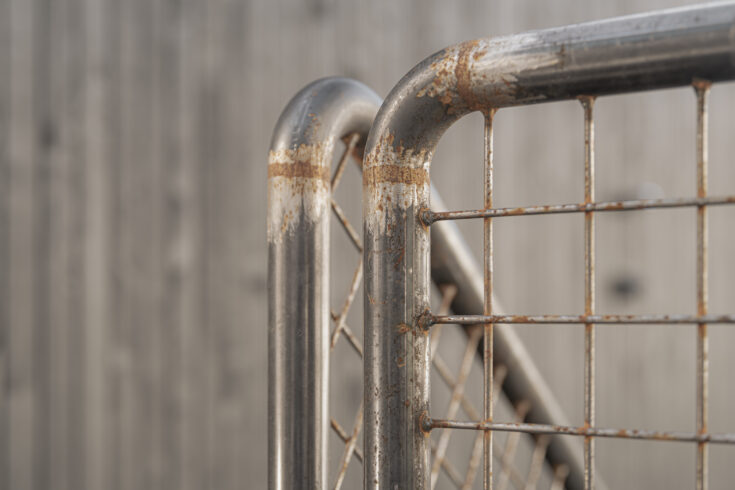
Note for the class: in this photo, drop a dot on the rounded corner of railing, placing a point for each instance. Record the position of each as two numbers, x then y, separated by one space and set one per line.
548 65
325 109
302 146
299 198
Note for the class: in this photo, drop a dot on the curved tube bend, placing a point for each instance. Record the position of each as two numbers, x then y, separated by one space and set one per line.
640 52
302 148
298 273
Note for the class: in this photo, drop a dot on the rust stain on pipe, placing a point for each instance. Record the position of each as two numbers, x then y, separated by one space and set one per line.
463 73
298 187
299 168
394 174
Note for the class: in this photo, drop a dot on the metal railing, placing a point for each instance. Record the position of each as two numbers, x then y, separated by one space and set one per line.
299 202
691 46
301 192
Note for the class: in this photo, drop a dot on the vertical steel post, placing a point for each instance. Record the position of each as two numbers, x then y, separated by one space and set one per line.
298 273
397 274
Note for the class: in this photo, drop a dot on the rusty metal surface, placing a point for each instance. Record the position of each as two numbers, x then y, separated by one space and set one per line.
643 52
583 431
548 65
303 172
487 338
396 347
702 88
298 240
589 289
429 216
582 319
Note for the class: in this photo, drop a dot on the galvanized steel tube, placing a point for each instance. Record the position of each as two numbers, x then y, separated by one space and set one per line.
298 273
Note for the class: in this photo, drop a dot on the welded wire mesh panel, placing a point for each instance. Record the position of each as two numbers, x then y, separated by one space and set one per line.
682 47
484 423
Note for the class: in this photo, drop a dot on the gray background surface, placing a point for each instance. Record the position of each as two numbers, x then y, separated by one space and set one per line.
133 144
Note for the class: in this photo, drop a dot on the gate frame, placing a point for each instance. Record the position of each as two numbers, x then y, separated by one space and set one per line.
299 192
651 51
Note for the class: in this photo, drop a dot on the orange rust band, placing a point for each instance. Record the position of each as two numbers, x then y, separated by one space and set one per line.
395 174
299 168
463 73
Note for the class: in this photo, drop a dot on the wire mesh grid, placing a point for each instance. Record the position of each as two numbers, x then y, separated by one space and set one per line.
515 470
493 375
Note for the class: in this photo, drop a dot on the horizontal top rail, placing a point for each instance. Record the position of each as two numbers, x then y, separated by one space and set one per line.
641 52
